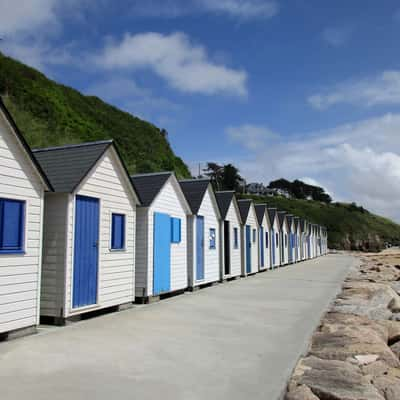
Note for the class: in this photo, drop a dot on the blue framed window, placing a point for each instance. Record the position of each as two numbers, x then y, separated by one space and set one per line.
266 240
213 239
176 230
254 235
117 232
12 226
235 238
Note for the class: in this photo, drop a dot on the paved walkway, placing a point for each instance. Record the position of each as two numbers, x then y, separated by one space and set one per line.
239 340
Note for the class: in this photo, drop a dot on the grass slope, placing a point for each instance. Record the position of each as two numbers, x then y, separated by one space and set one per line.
349 227
50 114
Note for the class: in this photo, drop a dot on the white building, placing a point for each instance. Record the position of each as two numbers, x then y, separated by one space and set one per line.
22 188
275 234
203 232
264 227
89 230
230 242
161 235
284 237
249 237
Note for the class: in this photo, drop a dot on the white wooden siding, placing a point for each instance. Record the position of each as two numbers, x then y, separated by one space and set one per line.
277 243
233 217
285 246
116 277
168 201
20 273
208 210
267 246
142 251
54 254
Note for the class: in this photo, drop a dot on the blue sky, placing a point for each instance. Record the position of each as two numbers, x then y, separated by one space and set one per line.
295 89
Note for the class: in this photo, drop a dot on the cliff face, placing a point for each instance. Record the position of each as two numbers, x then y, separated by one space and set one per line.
372 243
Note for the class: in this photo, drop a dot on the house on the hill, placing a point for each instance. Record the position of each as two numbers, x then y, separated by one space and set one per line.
22 190
161 235
264 236
203 232
230 242
89 230
249 237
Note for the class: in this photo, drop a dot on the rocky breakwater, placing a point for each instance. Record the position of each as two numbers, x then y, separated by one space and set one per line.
354 354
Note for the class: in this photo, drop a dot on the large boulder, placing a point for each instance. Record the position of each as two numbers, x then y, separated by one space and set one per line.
336 380
388 386
374 300
301 392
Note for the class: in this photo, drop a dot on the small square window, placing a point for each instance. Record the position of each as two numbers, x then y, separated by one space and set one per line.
175 230
12 225
235 238
254 235
213 239
118 232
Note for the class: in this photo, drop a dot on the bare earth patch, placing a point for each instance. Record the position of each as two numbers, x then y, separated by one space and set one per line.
355 352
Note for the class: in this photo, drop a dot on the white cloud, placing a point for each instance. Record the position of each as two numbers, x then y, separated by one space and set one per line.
383 89
337 36
356 162
251 136
184 65
240 9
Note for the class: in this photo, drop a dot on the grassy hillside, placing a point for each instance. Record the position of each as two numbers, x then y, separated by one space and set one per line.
50 114
349 227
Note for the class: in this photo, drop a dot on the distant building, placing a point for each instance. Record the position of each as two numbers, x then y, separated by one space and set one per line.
262 190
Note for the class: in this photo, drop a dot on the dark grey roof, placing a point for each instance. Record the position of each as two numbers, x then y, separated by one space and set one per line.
194 190
67 166
260 211
244 207
281 217
296 222
149 185
272 214
303 225
289 218
224 200
24 144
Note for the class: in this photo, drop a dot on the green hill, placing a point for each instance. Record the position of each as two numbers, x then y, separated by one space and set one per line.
349 226
50 114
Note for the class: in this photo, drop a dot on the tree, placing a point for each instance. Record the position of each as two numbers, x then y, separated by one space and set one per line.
215 172
231 179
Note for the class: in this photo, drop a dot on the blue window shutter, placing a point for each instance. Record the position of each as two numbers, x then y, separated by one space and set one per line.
176 228
12 225
118 232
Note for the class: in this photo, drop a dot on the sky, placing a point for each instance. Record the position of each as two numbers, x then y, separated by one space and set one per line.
304 89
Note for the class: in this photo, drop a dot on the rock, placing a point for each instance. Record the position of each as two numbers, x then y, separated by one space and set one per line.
373 300
301 392
365 359
395 317
388 386
376 368
332 379
393 330
396 350
396 287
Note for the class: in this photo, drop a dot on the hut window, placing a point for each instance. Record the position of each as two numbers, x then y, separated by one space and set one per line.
175 230
12 226
254 235
235 238
117 232
266 240
285 239
277 240
212 238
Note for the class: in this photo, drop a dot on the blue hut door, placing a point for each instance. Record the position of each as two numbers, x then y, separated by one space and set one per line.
86 251
262 247
199 248
161 253
248 249
273 247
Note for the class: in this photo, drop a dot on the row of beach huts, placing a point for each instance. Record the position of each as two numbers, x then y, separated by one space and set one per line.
78 234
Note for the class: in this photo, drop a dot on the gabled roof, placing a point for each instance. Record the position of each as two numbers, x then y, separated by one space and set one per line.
289 218
260 212
224 200
281 217
272 213
194 191
149 185
296 222
244 207
67 166
303 225
25 145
